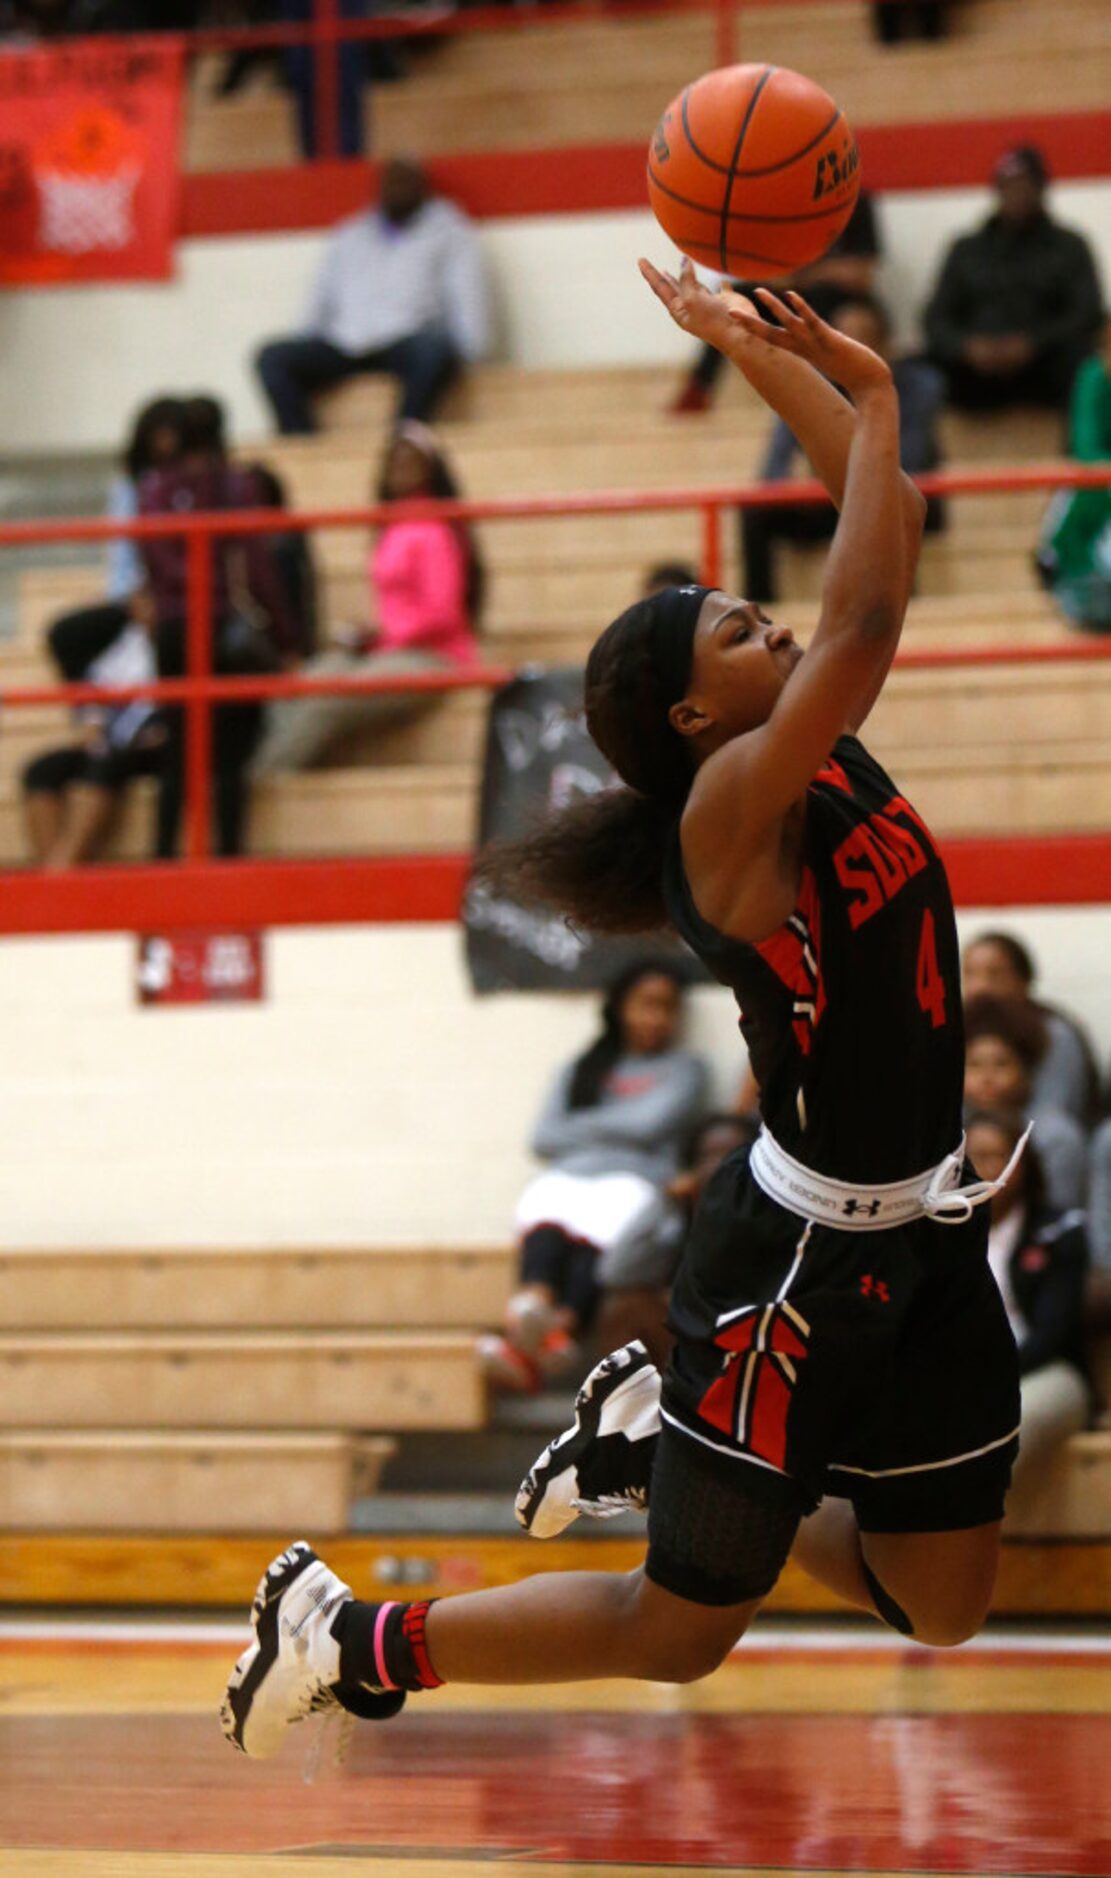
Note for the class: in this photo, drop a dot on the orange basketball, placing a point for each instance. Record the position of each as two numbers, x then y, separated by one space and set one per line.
753 170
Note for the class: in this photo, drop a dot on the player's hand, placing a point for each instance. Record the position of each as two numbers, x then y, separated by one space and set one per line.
844 361
700 312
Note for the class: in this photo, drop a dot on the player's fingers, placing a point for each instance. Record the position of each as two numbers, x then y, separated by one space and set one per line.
663 286
775 305
804 311
656 277
757 328
730 298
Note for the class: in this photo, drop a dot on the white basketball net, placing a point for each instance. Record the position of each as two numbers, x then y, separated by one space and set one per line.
81 214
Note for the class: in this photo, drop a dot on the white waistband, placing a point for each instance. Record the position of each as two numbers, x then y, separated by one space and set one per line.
855 1206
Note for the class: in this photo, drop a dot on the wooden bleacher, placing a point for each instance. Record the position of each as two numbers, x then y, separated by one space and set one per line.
105 1480
233 1379
190 1390
1003 749
281 1288
1073 1499
608 80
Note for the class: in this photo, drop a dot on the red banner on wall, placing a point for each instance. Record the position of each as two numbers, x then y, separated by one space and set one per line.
90 170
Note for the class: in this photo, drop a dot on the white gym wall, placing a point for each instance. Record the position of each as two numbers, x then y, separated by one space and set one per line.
77 361
371 1097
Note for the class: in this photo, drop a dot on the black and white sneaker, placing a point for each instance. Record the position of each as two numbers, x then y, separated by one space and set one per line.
291 1670
602 1464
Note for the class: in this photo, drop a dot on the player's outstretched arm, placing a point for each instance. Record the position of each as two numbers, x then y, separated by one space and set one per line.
750 784
872 563
794 382
820 418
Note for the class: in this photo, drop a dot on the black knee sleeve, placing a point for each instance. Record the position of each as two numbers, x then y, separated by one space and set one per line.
719 1530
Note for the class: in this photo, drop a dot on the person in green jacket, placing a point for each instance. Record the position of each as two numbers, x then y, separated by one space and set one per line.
1074 553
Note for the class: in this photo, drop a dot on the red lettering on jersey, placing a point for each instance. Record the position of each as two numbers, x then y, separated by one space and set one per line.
878 858
902 840
899 805
859 881
833 774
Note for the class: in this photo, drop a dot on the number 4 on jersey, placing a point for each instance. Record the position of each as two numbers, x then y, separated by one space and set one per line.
929 983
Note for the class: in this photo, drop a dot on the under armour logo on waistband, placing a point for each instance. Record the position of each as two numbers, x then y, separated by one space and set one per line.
853 1207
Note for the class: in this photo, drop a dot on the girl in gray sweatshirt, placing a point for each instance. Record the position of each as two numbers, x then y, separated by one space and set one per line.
611 1130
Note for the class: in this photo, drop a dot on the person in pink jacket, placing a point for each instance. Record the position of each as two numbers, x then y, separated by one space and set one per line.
426 583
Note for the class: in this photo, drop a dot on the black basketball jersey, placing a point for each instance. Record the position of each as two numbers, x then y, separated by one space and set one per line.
852 1009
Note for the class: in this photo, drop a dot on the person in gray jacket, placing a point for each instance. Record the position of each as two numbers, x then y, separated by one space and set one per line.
402 289
612 1131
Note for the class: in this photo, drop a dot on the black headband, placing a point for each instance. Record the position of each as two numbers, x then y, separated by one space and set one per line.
672 618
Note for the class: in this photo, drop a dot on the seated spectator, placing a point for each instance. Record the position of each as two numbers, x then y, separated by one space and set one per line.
426 582
920 390
79 637
401 290
1038 1256
1074 553
1005 1040
611 1131
997 965
1017 305
846 271
253 626
71 793
1097 1302
636 1287
300 72
292 557
1099 1213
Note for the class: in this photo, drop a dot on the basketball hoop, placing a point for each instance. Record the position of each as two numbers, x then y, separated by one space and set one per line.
87 172
81 214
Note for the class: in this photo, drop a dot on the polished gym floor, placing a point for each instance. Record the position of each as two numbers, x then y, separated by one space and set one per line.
813 1751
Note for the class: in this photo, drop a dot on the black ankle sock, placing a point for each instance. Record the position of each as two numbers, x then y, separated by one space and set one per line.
384 1645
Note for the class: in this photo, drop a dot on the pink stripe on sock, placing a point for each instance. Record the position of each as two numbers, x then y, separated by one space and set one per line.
379 1655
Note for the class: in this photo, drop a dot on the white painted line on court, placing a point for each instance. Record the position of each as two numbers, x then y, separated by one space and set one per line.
786 1640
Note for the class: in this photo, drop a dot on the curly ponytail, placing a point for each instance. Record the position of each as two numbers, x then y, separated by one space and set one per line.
600 861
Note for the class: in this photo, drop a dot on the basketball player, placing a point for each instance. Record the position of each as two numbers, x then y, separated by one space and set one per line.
844 1383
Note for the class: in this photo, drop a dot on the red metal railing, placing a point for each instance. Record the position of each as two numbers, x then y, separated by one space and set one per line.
201 689
326 30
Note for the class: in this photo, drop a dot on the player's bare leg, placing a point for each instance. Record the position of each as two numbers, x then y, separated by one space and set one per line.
315 1646
934 1586
573 1626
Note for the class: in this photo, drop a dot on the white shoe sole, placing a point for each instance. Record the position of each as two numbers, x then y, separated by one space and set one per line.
254 1714
614 1399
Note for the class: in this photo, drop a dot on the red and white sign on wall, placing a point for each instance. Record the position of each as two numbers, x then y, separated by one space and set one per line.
90 135
199 968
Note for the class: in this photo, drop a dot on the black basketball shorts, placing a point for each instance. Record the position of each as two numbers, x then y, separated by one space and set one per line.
876 1367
